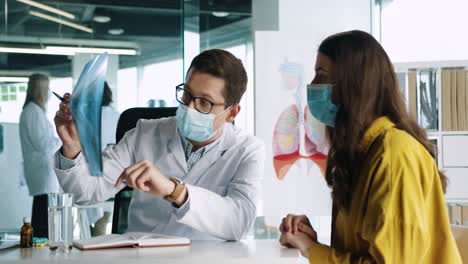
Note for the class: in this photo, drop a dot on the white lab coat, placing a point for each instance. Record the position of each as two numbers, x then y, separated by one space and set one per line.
109 120
38 145
223 186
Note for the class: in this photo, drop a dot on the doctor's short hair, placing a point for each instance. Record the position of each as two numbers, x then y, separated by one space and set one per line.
38 90
224 65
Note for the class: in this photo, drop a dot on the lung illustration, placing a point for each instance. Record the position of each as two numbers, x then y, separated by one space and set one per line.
297 136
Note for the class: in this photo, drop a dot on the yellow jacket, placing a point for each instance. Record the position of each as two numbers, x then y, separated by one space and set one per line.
397 212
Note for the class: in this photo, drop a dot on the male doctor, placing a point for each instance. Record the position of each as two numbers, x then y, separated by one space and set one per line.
195 175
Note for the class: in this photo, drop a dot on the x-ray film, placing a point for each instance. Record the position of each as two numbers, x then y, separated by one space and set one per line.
85 107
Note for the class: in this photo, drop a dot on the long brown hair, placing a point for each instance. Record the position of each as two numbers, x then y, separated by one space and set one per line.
365 89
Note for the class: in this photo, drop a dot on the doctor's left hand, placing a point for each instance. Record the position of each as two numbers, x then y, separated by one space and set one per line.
146 177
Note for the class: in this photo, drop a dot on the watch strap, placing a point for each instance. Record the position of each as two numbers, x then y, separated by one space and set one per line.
179 188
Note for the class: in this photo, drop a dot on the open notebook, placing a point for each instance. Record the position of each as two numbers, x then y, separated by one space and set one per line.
132 239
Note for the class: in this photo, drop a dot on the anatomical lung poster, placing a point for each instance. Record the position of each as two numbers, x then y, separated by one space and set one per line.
295 141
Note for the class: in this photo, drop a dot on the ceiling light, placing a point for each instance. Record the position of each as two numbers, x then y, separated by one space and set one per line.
32 51
220 14
14 79
67 51
117 51
116 31
61 21
48 8
102 19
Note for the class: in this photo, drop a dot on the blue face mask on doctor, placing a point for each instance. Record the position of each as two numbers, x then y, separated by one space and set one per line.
194 125
320 103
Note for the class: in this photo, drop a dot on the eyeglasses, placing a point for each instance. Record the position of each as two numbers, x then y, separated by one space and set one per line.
201 104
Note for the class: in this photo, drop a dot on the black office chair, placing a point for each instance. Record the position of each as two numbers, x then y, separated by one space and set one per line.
127 121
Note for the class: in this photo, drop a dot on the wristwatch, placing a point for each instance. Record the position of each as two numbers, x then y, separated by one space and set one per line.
179 187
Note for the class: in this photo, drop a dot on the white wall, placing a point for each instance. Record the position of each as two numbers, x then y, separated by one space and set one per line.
320 18
302 26
15 202
425 30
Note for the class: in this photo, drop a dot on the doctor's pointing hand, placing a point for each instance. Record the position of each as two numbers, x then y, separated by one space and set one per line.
146 177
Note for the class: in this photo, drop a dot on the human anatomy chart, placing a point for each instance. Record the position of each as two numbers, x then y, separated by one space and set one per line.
297 134
296 145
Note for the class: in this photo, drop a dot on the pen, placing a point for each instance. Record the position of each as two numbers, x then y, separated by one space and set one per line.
59 97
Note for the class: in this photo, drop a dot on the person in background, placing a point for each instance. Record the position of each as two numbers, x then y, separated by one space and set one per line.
388 194
109 118
38 145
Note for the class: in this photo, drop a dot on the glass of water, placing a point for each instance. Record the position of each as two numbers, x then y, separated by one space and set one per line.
60 221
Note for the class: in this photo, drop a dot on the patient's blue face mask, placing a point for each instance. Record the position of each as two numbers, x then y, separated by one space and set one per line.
320 103
194 125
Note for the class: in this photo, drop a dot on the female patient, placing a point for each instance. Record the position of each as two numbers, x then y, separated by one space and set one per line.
388 195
